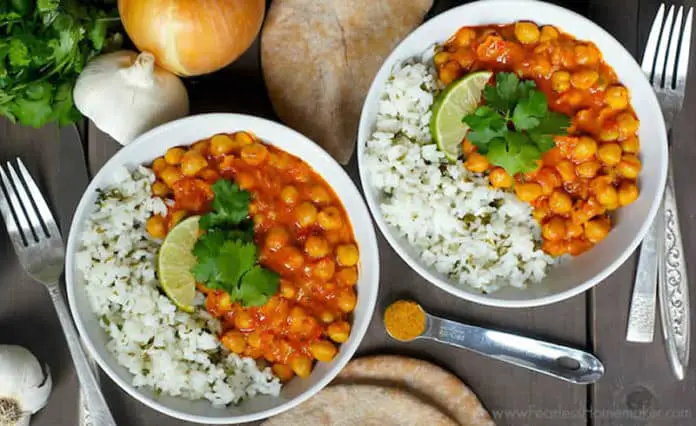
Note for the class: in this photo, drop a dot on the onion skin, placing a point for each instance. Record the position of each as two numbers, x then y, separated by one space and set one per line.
192 37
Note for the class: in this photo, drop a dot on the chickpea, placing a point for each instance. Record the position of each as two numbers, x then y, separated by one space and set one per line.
616 97
319 194
209 175
347 255
289 194
254 154
609 153
476 163
254 339
327 317
441 58
548 33
572 97
528 191
566 169
158 165
323 350
584 149
234 341
548 179
282 372
468 147
316 246
541 212
160 189
609 132
193 162
280 161
499 178
243 138
449 72
330 218
221 145
596 230
301 365
628 193
156 226
276 238
245 180
629 166
627 124
177 217
608 197
347 276
585 118
287 289
578 246
170 175
554 229
630 145
560 202
201 147
346 300
526 32
243 320
338 331
588 169
573 230
224 303
554 248
464 37
324 269
173 156
306 214
560 81
291 257
586 54
584 79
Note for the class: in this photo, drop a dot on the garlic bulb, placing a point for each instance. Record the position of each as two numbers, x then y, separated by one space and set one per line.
125 94
24 387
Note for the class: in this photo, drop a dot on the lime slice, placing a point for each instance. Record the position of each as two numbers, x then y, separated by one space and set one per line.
460 98
175 263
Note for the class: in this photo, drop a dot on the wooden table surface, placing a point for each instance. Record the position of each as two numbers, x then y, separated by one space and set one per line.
638 387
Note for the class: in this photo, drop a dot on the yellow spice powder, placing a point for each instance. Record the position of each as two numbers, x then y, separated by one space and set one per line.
404 320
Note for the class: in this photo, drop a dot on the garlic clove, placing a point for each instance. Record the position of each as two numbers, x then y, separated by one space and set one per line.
36 397
25 385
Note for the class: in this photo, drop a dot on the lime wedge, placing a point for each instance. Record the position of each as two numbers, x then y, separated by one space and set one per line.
175 263
460 98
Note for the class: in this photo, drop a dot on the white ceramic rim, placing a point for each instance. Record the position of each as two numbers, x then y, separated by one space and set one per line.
372 276
490 299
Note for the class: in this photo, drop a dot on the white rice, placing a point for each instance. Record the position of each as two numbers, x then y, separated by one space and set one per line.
478 236
165 349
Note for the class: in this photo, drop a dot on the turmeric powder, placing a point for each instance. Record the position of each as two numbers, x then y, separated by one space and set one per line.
404 320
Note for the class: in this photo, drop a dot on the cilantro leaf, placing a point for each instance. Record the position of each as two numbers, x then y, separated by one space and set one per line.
516 153
485 124
257 285
530 110
233 260
507 91
231 205
554 123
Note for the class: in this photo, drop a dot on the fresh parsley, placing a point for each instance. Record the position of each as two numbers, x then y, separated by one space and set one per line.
226 253
515 126
44 45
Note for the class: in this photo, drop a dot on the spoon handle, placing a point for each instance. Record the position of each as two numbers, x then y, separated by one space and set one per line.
558 361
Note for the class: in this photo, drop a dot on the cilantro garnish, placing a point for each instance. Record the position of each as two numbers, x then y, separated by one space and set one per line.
227 257
515 125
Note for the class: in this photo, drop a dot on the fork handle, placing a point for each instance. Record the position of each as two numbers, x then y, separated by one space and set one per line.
98 409
674 286
641 316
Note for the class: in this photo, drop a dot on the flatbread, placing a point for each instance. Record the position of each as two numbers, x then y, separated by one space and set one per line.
365 405
319 58
423 379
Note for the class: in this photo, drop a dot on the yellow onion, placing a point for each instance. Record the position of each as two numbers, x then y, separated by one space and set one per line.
192 37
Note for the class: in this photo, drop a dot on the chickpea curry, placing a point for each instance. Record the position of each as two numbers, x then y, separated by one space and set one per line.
592 170
301 232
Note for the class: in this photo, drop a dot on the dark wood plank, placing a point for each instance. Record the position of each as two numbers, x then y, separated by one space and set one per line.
639 387
27 317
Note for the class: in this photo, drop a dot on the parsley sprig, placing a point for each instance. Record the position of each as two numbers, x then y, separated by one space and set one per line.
227 255
515 126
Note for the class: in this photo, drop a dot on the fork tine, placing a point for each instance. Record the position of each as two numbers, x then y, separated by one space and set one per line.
684 52
662 49
40 201
670 68
29 209
651 46
16 208
6 211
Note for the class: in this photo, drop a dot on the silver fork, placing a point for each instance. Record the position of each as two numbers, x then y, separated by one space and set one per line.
661 259
39 247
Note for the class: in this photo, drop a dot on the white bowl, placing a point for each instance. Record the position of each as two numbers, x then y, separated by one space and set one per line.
184 132
579 273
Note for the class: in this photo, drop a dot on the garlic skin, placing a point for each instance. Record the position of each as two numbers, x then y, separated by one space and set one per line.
24 387
126 94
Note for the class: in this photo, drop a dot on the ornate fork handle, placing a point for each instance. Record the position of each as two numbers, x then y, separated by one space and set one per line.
673 285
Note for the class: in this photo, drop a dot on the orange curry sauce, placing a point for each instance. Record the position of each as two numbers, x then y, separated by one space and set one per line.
590 172
302 233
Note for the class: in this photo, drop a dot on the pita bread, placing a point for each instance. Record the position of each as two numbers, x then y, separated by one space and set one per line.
319 58
365 405
423 379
